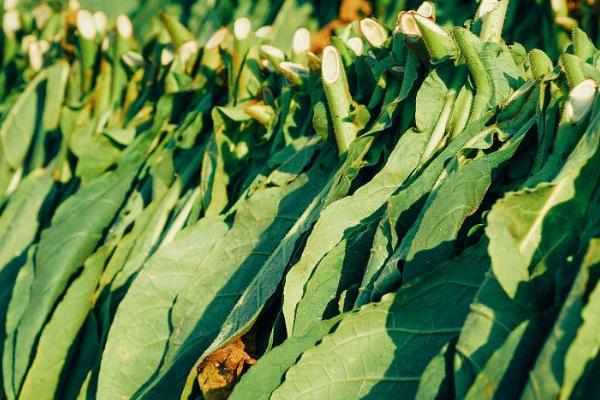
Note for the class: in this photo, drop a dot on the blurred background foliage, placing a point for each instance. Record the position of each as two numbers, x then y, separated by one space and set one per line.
534 23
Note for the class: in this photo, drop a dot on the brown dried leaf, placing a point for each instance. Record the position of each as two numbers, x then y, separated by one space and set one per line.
350 10
353 10
220 371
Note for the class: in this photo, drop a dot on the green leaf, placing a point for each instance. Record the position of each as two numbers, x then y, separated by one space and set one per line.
488 379
347 213
432 238
264 377
15 309
265 283
18 227
23 121
337 271
128 362
414 324
528 228
567 349
76 228
260 223
435 382
52 354
492 318
431 98
403 209
20 219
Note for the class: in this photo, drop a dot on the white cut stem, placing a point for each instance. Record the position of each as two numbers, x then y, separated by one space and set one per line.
356 45
264 32
85 24
124 27
338 97
581 100
241 28
301 41
373 32
100 22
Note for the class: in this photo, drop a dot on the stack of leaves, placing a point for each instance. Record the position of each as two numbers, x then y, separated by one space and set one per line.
414 213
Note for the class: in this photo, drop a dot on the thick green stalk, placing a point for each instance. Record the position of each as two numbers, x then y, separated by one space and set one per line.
211 57
11 24
465 41
272 54
438 42
427 10
120 45
356 45
441 125
492 14
541 65
243 50
177 32
88 47
583 46
573 68
339 99
580 101
301 46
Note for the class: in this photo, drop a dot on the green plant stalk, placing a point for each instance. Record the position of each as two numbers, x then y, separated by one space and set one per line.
242 42
89 51
339 99
301 46
10 48
273 55
296 74
541 65
492 22
120 45
52 27
88 47
583 46
438 42
211 59
461 111
573 68
441 125
483 86
177 32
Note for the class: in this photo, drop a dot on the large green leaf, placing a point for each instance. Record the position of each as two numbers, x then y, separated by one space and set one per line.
347 213
260 222
265 283
144 312
562 360
397 338
59 334
337 272
74 233
263 378
529 228
402 210
23 121
433 236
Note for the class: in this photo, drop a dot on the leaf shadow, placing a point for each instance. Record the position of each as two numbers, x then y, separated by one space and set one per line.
172 376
